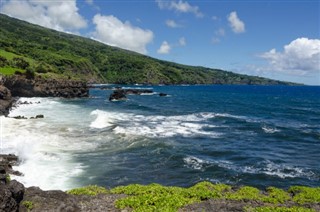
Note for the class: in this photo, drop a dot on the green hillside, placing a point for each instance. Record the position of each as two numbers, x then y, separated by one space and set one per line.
27 47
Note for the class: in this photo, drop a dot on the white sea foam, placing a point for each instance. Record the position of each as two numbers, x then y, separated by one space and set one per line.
195 163
271 130
45 146
266 167
154 126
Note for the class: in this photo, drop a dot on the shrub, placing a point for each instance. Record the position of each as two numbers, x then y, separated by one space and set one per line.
91 190
28 204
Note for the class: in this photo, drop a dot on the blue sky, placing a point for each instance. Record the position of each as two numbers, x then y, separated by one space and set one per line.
275 39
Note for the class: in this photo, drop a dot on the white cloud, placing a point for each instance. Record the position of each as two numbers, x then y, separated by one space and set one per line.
300 57
172 24
164 48
90 2
236 24
113 31
58 15
180 6
182 41
220 32
215 40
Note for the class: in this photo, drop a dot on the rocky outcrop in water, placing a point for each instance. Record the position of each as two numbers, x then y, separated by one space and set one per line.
20 86
120 94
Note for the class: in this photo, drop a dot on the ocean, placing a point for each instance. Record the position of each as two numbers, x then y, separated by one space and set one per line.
239 135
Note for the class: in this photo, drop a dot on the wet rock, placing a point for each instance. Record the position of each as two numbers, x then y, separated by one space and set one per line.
39 116
163 94
19 117
117 95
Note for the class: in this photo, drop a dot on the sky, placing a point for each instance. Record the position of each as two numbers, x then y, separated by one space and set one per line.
278 39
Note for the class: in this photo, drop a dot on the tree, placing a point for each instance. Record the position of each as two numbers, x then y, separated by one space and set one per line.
20 62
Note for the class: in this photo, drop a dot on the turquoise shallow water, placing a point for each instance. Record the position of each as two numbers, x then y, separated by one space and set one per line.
240 135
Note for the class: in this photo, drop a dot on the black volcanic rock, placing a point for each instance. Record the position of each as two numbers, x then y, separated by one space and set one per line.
39 87
6 100
118 95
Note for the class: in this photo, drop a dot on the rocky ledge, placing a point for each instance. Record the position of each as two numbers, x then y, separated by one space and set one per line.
203 196
40 87
20 86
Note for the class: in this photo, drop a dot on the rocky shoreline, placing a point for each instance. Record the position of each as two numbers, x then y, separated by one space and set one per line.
203 196
20 86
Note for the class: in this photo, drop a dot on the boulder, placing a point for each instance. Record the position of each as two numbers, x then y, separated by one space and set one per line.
163 94
7 202
118 95
17 190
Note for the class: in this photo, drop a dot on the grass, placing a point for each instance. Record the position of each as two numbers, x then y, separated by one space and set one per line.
7 71
155 197
91 190
28 204
10 56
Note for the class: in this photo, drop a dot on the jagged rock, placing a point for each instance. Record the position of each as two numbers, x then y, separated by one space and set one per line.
163 94
120 94
39 116
40 87
17 190
19 117
6 100
49 200
6 163
117 95
7 202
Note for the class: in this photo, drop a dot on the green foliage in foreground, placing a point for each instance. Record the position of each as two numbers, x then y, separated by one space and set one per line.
278 209
28 204
91 190
155 197
8 178
303 194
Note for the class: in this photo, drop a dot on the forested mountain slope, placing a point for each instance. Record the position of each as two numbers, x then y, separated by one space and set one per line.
27 47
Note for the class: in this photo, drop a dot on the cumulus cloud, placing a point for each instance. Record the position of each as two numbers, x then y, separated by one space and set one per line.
58 15
113 31
220 32
300 57
172 24
236 24
164 48
182 41
180 6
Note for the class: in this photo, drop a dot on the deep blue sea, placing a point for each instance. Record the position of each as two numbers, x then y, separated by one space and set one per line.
240 135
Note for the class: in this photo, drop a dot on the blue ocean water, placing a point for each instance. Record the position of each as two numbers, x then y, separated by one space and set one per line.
240 135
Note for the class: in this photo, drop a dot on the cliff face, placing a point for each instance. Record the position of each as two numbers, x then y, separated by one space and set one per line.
39 87
6 99
20 86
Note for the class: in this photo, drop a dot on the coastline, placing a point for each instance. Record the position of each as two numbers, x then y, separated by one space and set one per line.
203 196
16 86
35 199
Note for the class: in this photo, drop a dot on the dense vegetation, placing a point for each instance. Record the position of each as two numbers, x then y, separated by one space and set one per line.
155 197
27 47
